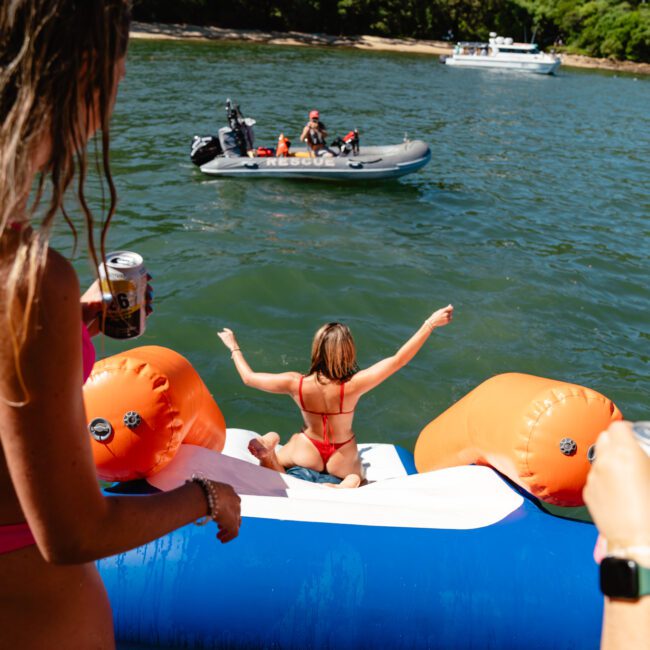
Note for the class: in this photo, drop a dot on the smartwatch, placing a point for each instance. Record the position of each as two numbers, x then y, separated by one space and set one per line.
623 578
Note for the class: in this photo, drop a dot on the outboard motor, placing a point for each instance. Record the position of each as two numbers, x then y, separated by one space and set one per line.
238 138
204 149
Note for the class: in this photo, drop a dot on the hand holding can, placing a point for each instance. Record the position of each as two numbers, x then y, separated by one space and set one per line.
618 488
123 282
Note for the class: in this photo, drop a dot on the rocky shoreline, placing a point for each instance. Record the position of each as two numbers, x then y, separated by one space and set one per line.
435 48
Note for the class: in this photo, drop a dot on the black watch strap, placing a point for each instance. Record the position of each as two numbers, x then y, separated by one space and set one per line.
644 580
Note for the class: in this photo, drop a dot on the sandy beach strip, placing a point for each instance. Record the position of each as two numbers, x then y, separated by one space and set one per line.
379 44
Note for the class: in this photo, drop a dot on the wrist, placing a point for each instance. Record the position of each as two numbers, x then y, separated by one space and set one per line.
619 543
640 553
232 352
429 323
211 496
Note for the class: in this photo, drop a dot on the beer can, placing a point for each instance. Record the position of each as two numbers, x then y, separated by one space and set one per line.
641 432
123 283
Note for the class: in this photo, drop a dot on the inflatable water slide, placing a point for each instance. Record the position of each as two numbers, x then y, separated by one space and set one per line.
449 547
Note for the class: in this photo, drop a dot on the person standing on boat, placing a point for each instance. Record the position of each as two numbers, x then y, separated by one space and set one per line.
62 61
325 451
314 135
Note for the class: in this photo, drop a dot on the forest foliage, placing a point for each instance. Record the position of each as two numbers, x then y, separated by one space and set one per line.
602 28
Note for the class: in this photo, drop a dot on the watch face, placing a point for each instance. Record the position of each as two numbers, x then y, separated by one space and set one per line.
619 578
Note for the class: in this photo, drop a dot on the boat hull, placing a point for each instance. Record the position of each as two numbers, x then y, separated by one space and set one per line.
371 163
539 67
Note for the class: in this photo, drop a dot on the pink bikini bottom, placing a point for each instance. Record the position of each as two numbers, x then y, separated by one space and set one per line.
13 537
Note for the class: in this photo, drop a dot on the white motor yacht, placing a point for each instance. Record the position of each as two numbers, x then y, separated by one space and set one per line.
500 52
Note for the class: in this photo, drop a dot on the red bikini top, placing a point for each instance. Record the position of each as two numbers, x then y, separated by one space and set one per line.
323 415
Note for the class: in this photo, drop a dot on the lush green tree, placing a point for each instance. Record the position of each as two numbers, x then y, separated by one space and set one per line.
638 44
610 28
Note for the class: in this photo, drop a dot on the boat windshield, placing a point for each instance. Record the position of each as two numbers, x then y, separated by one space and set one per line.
532 49
472 48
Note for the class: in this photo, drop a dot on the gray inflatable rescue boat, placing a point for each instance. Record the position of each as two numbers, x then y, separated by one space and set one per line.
377 162
232 153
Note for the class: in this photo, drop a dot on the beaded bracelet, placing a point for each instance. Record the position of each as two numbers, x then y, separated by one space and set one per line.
429 324
211 496
233 351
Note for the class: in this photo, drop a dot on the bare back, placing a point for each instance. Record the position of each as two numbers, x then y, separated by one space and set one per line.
327 442
323 398
32 612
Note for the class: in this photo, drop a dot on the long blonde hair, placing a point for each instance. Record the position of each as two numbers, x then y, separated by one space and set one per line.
333 353
57 73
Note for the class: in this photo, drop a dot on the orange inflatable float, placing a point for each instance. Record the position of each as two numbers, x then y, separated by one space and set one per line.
536 431
141 405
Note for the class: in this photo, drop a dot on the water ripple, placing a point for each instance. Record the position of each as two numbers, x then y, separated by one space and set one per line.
532 218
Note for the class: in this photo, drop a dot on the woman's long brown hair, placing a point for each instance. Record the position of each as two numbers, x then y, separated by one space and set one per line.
333 353
57 73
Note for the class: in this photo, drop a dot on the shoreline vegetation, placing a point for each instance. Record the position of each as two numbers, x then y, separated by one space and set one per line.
163 31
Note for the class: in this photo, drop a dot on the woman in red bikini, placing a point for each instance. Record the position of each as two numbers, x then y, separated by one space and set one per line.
325 451
61 62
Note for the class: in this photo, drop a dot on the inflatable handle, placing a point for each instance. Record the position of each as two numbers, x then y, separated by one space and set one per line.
141 405
536 431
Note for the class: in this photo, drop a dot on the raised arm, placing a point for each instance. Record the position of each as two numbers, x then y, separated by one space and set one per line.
303 135
269 382
47 448
367 379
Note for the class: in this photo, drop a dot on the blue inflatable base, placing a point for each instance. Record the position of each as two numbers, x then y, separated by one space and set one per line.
527 582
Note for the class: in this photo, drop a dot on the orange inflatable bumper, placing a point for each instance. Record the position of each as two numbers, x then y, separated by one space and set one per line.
141 405
536 431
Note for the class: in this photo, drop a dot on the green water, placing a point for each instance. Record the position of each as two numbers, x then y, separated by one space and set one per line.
532 219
